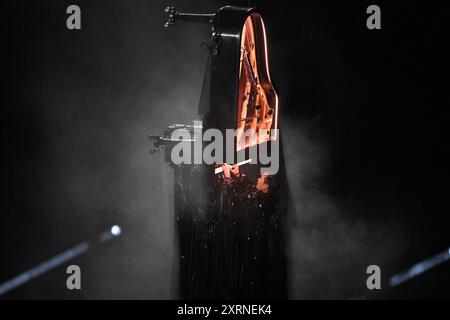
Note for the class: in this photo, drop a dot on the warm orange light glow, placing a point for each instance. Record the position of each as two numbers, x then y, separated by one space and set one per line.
257 99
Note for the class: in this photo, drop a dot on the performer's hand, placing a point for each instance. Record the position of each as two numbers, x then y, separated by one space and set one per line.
226 171
229 171
235 170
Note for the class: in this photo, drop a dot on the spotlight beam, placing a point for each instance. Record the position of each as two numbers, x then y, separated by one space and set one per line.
419 268
57 260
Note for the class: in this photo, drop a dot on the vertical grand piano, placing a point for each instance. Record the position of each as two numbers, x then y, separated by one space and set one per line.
230 217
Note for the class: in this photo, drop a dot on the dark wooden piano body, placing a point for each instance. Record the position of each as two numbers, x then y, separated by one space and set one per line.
231 239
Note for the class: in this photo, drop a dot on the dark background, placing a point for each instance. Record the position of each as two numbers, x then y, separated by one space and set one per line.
364 121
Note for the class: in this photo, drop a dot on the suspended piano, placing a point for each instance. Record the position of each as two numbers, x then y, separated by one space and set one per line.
230 216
